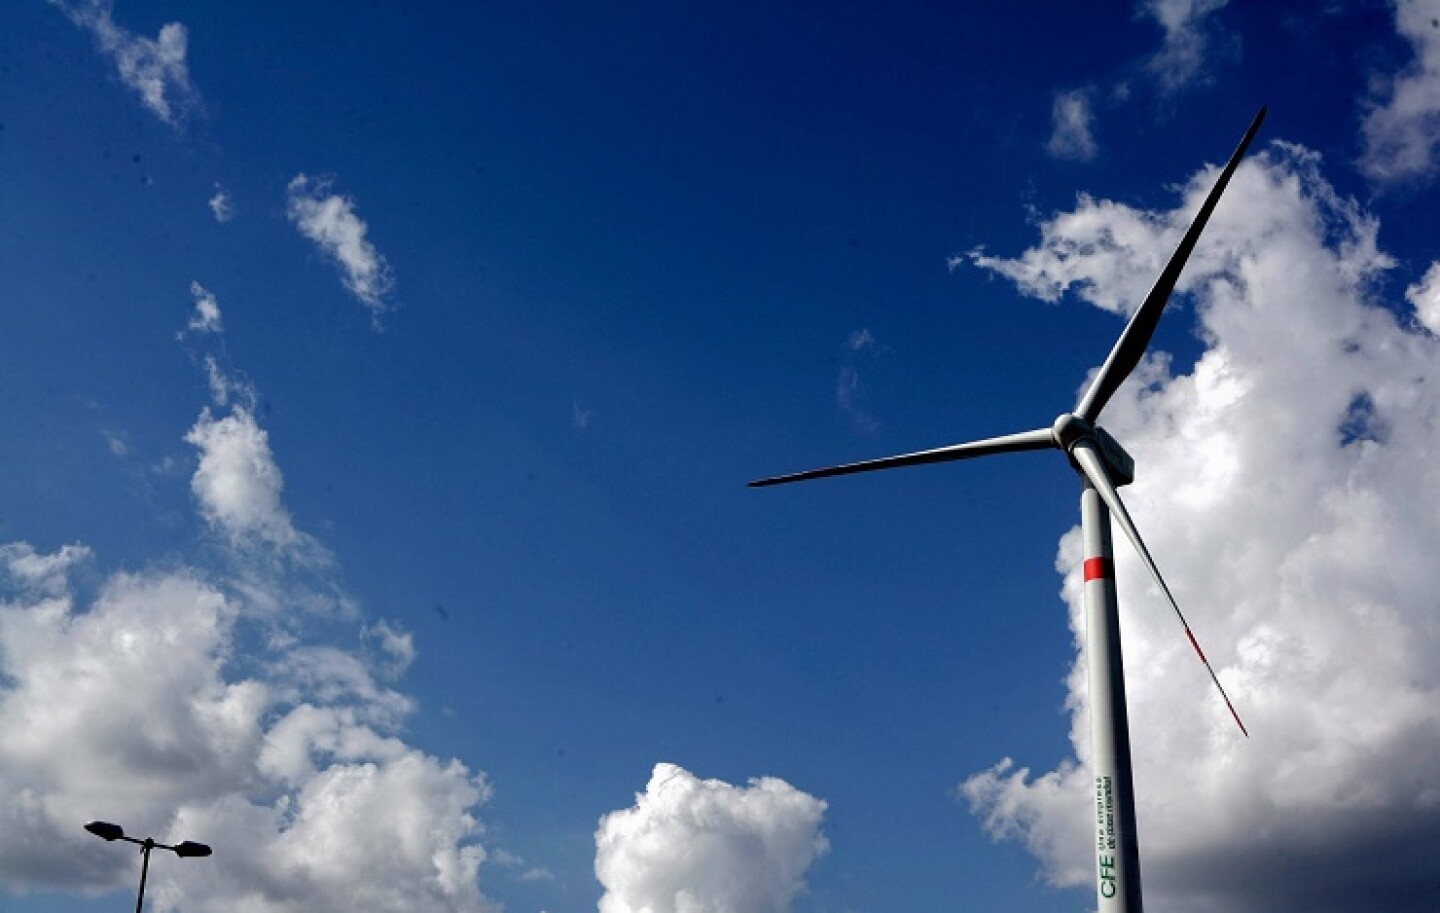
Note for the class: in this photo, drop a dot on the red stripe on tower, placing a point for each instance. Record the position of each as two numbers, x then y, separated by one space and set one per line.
1098 568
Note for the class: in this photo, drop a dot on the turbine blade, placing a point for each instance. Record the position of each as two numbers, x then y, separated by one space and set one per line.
1039 439
1094 470
1136 335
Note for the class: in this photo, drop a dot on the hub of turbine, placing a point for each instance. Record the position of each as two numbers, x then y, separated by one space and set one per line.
1070 429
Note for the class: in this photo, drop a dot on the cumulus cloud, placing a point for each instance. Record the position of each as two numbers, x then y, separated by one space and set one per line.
1071 121
155 68
206 317
1109 252
45 573
131 706
206 324
860 340
1189 33
114 713
1288 488
525 871
329 220
128 697
1181 58
318 848
115 442
704 846
396 647
238 483
580 417
221 206
860 346
225 388
847 397
127 709
1400 135
1425 297
280 570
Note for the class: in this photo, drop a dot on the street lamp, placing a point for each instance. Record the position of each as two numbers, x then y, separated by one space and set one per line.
107 831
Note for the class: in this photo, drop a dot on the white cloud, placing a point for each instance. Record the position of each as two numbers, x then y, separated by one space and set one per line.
860 339
395 645
153 67
1401 135
127 710
705 846
280 571
580 418
1071 120
115 442
136 706
848 395
388 834
329 220
116 713
1425 297
1181 59
43 573
226 386
221 205
1186 47
222 388
1108 251
335 676
508 860
206 318
1288 488
238 483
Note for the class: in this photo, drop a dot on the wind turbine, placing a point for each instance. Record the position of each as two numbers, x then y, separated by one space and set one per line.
1103 466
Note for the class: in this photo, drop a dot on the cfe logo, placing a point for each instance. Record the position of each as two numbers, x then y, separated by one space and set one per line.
1107 875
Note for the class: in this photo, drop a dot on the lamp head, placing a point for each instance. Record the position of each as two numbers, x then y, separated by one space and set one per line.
191 848
105 830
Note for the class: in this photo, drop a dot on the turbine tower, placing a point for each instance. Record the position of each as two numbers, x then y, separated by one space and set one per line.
1103 466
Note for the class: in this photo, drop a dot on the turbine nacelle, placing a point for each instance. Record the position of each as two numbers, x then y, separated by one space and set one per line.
1071 430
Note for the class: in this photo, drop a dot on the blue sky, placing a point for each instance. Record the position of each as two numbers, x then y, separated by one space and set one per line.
381 386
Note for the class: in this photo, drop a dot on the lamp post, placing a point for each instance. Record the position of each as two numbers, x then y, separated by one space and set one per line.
107 831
